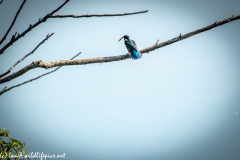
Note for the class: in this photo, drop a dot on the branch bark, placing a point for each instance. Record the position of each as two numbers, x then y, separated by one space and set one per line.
19 10
10 69
5 89
96 15
46 65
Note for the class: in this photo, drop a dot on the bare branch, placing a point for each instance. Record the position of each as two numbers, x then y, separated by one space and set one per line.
10 69
50 15
19 10
13 40
187 35
46 65
1 1
96 15
5 89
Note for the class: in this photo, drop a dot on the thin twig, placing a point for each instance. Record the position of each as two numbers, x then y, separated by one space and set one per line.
1 1
13 40
10 69
19 10
96 15
46 65
5 89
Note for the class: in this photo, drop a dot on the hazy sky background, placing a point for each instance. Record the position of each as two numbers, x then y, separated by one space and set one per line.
178 102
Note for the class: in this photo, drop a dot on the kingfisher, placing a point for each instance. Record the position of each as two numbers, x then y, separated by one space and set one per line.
131 47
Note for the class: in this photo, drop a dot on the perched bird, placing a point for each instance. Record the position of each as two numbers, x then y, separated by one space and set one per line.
131 47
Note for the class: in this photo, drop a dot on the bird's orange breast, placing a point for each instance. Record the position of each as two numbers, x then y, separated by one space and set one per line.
129 51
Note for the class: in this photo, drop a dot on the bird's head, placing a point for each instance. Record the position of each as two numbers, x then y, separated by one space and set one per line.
126 37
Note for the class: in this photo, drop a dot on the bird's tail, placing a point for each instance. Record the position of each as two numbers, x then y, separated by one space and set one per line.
136 55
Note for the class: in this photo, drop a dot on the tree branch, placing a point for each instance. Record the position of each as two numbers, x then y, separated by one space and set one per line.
46 65
10 69
14 39
50 15
96 15
19 10
5 89
187 35
1 1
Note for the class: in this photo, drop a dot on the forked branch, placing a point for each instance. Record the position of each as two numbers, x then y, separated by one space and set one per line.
50 15
46 65
10 69
17 37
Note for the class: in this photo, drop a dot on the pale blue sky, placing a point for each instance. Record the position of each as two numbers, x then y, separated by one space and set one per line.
178 102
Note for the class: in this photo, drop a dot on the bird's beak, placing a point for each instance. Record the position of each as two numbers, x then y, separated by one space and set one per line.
120 39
